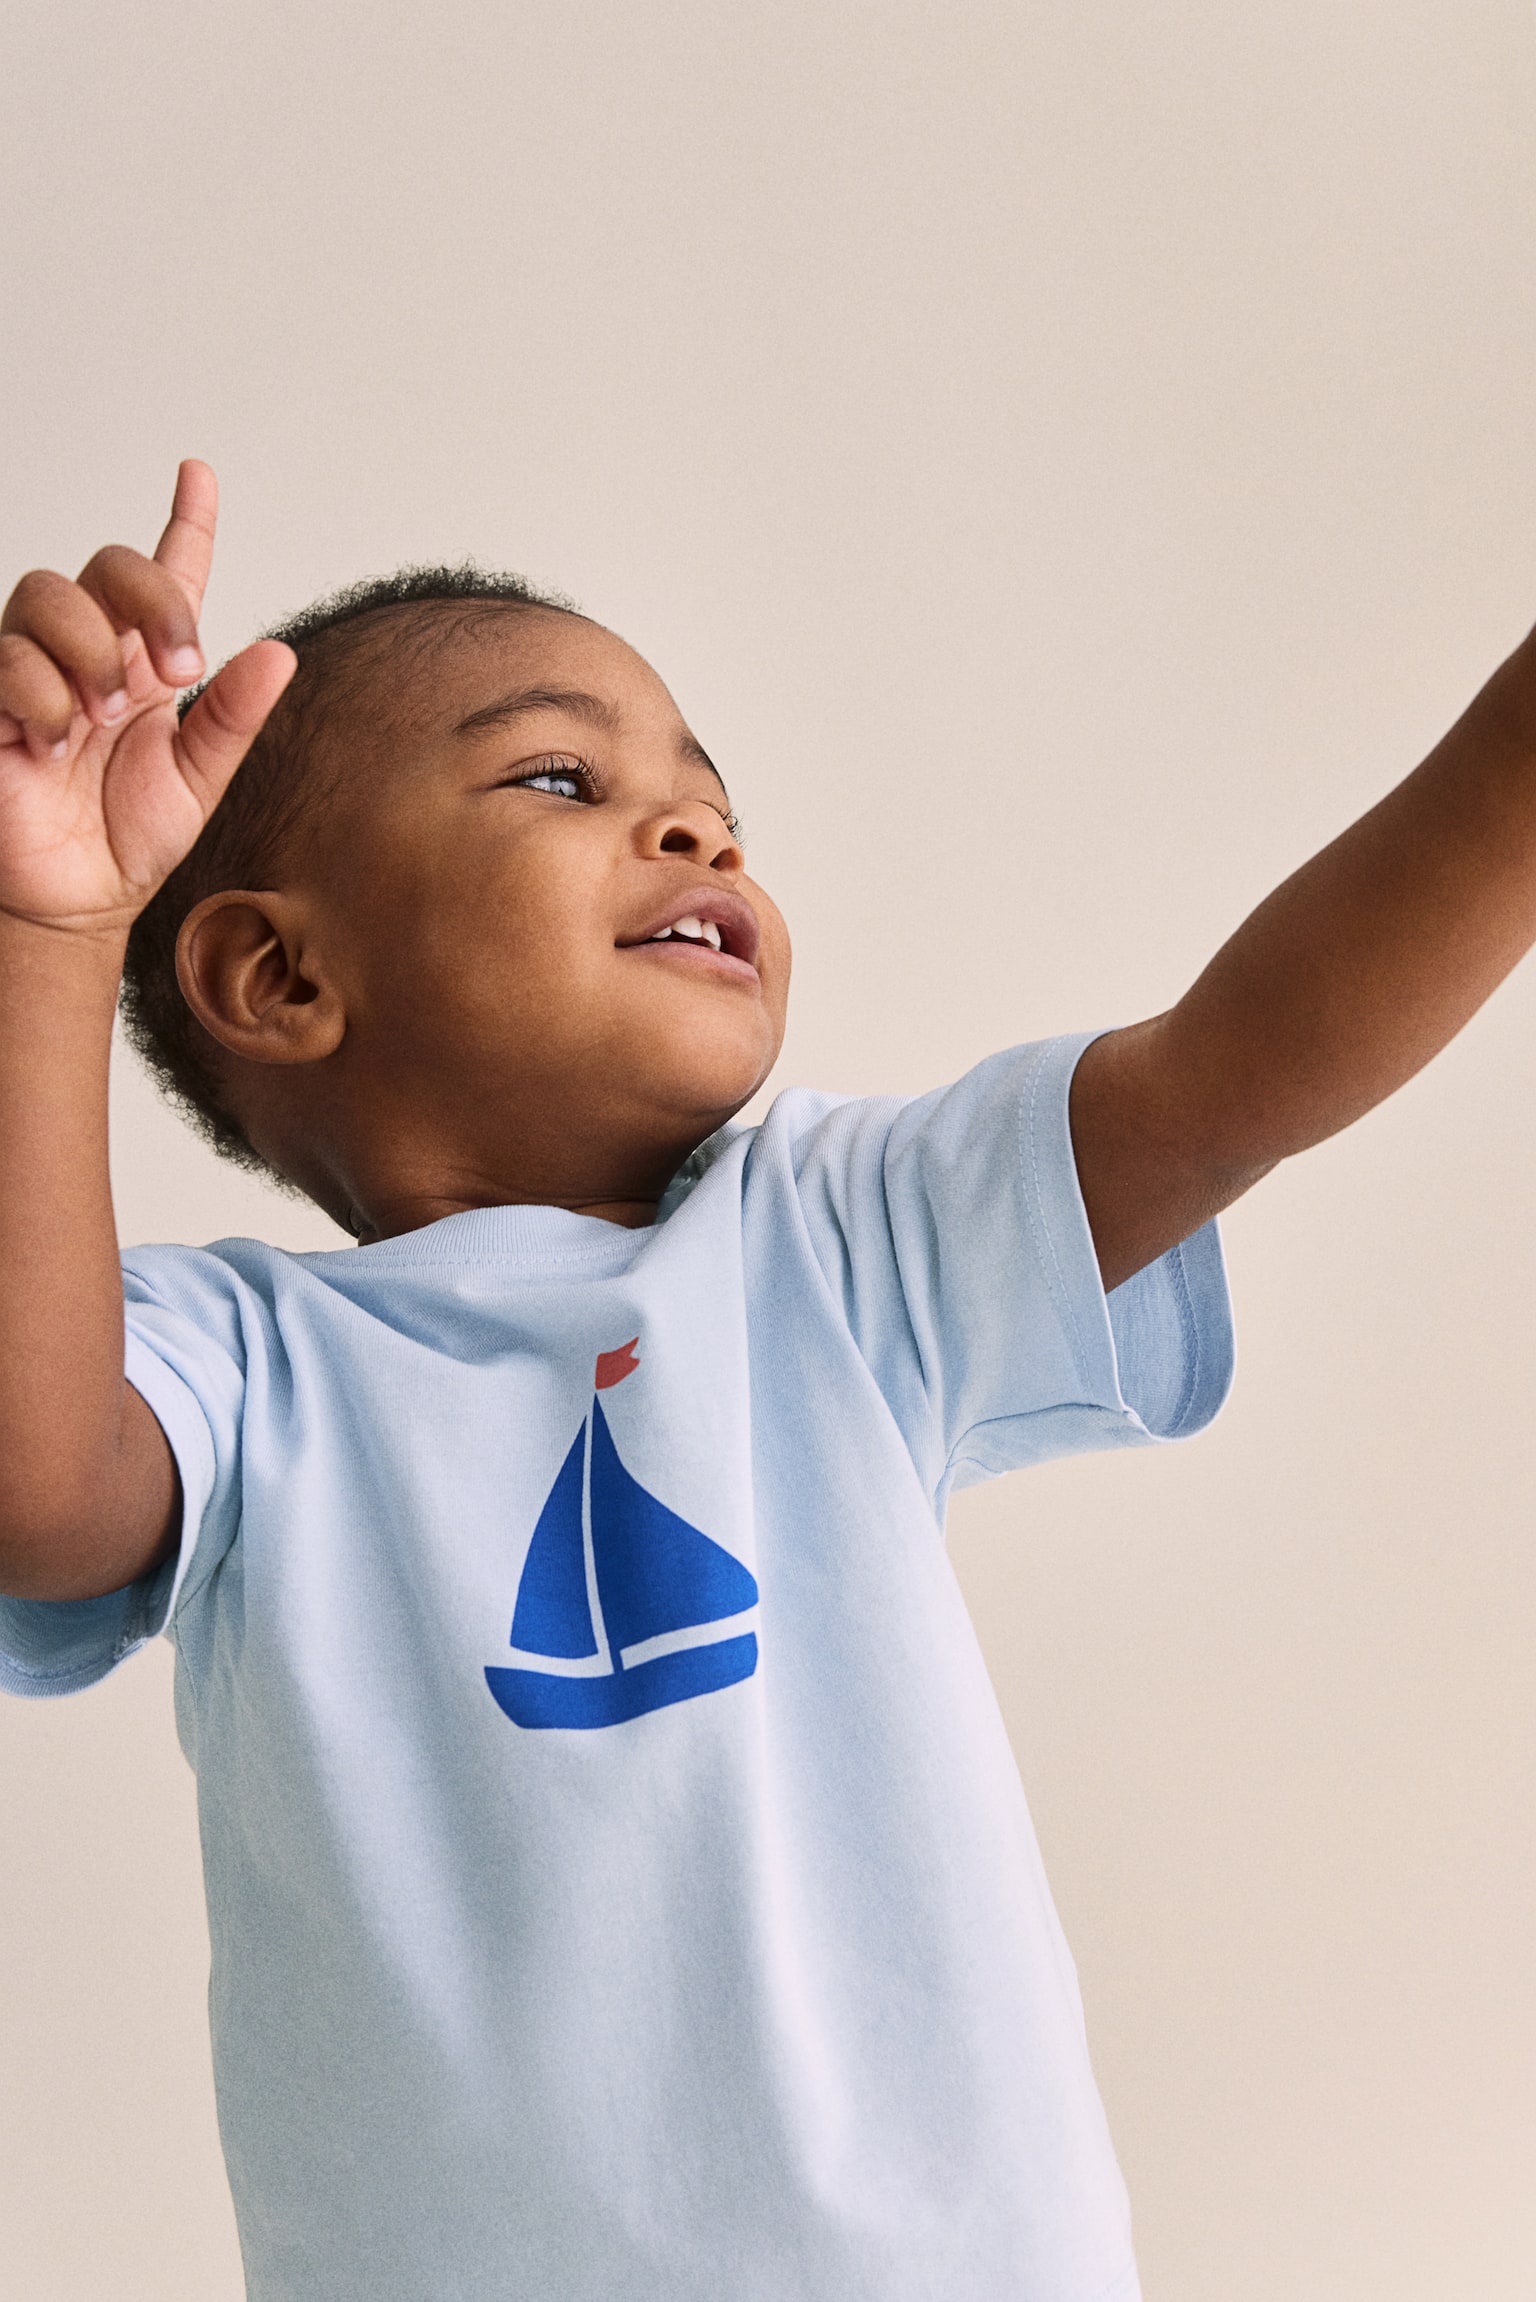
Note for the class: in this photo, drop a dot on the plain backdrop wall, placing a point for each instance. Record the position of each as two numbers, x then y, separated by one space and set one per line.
1067 460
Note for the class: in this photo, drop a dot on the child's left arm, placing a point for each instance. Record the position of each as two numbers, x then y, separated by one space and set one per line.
1334 992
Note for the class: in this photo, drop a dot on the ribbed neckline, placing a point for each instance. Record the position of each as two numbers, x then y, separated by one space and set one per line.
500 1234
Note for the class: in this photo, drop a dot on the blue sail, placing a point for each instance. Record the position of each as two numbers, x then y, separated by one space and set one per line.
553 1616
655 1573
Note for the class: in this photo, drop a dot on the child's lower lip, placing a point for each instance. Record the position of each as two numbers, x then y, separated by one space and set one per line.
697 955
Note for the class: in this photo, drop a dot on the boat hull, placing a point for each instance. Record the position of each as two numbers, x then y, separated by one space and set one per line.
541 1699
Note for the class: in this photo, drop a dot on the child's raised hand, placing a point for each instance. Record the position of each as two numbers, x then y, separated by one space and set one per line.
101 791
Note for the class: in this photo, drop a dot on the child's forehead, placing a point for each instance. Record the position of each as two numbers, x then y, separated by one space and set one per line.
481 669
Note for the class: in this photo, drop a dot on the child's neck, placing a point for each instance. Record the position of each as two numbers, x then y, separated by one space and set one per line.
392 1218
390 1179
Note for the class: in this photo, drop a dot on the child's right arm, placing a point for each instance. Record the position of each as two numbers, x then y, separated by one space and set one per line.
101 795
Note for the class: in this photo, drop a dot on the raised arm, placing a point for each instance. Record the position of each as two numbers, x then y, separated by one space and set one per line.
1334 992
101 794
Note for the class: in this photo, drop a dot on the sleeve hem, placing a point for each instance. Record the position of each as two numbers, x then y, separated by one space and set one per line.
176 1410
18 1678
1118 1341
51 1648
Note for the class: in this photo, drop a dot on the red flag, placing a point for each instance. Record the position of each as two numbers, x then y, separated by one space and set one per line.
613 1366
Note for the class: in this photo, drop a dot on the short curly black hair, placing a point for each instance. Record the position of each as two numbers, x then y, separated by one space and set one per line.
346 643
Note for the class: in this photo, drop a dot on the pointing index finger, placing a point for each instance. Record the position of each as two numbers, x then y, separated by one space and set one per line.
186 548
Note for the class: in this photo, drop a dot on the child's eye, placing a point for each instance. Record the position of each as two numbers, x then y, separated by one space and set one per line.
566 778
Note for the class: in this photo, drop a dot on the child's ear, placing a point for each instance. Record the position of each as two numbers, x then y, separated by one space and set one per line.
246 974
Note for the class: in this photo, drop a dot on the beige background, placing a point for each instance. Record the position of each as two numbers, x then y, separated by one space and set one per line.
1067 460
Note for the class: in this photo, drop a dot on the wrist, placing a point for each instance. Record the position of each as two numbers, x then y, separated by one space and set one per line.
88 952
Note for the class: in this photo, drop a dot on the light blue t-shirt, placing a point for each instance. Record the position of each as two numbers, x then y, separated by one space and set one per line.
620 1884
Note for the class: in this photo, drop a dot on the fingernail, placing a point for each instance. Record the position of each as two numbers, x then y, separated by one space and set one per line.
185 662
115 704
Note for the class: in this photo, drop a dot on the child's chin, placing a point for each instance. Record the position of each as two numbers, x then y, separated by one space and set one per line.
711 1080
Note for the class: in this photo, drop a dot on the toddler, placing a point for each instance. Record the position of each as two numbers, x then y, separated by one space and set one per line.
620 1887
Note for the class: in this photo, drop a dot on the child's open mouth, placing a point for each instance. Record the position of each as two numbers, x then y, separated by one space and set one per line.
711 927
691 930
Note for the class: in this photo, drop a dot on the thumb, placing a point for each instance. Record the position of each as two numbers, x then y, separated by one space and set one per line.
227 717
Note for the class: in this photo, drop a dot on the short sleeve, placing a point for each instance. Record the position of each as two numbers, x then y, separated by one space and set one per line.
184 1355
953 1230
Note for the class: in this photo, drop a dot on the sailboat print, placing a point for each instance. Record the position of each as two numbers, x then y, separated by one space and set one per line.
610 1569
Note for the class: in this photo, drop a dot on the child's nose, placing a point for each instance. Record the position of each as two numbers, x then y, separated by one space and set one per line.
694 829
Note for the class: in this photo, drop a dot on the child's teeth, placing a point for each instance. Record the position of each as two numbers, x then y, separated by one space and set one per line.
692 930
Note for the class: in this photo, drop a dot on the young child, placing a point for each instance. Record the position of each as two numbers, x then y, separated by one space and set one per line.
619 1882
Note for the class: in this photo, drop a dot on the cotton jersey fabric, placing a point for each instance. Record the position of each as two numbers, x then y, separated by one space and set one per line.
757 1992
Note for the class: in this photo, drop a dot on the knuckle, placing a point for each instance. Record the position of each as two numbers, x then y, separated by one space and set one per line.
113 556
23 667
33 692
115 573
36 587
128 579
56 616
216 713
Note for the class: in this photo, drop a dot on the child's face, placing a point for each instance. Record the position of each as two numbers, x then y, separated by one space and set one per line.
486 906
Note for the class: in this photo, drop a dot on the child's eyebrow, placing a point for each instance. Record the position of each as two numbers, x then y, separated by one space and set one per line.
524 700
576 704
